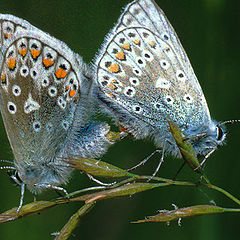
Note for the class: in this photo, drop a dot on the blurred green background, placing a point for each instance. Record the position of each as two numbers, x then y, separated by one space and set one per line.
209 32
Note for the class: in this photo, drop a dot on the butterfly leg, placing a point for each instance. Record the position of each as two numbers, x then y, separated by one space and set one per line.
144 160
179 170
34 197
205 159
21 198
99 182
52 187
160 162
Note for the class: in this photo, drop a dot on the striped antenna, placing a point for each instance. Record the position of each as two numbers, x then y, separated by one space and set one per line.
229 121
6 161
8 168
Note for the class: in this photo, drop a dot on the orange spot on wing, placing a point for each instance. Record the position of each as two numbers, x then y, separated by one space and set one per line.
126 46
35 53
67 88
114 68
60 73
111 95
137 41
7 35
48 62
111 86
11 63
22 51
114 81
120 55
72 93
3 77
123 129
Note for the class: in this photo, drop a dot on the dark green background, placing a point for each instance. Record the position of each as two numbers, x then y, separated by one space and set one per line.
209 32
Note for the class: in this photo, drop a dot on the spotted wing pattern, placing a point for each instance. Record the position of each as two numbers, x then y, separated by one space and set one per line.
144 70
148 14
10 26
39 94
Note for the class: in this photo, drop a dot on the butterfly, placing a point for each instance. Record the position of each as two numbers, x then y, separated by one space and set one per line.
143 79
46 104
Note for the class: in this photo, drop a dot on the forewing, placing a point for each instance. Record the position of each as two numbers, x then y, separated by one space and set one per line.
141 72
10 26
148 14
40 89
145 14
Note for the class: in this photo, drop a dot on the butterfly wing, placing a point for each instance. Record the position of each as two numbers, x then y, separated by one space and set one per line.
40 90
45 104
10 26
147 13
145 77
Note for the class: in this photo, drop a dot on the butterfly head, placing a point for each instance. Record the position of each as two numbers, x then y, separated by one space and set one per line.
208 138
14 176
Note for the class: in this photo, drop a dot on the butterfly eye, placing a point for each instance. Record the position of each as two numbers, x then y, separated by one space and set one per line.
14 176
18 177
220 133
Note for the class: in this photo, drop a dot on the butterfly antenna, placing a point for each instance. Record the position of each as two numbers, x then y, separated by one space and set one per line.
6 161
144 160
229 121
7 168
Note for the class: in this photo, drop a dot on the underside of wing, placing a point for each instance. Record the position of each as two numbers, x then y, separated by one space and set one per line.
10 26
146 13
40 93
140 73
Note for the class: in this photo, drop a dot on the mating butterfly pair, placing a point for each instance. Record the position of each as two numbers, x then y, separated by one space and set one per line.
142 79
